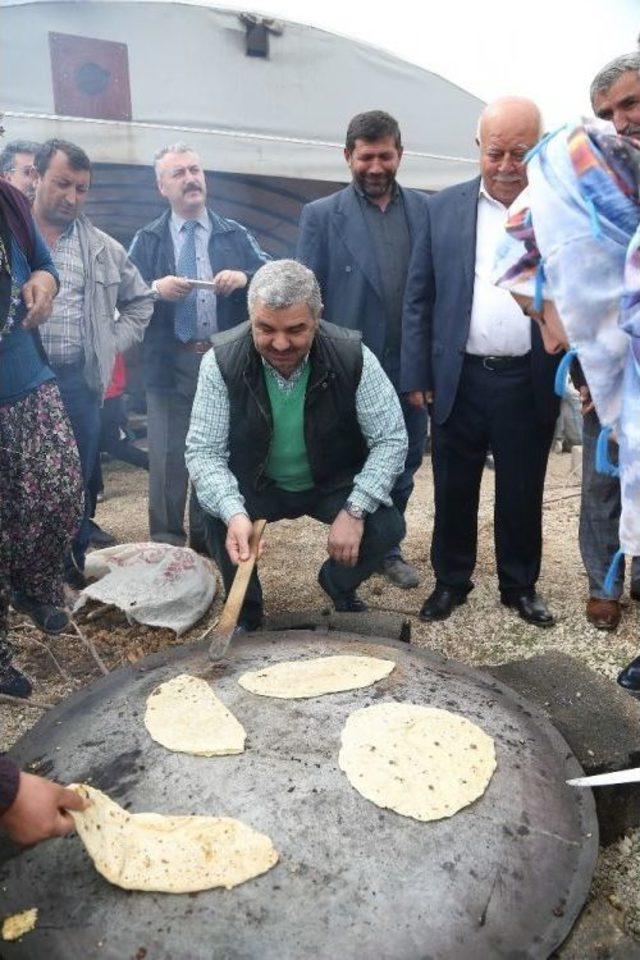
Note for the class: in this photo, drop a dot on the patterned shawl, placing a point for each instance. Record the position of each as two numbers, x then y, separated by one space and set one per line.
573 238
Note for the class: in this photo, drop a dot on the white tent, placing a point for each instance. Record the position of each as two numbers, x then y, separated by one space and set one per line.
190 79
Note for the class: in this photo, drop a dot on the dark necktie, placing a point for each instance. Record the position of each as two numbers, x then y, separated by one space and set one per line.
186 315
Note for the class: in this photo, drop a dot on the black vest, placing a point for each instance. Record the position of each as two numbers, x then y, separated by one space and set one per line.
335 446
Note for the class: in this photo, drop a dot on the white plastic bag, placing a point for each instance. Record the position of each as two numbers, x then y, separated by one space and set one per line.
152 583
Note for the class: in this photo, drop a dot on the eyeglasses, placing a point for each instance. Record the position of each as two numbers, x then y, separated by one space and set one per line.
28 170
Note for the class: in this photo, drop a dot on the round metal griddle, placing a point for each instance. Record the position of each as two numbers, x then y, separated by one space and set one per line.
504 878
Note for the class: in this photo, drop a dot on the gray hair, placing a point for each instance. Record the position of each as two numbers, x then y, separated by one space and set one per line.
8 155
610 74
179 147
282 283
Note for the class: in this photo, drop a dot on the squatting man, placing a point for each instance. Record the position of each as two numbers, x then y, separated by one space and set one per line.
294 416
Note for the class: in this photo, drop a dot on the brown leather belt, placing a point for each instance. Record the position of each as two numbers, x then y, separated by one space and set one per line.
196 346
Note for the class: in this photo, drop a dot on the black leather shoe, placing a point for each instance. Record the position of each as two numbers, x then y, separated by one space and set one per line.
100 538
629 678
344 602
13 682
440 604
250 619
531 607
46 617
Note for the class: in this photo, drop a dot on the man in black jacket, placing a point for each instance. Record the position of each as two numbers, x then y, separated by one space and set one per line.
189 242
295 417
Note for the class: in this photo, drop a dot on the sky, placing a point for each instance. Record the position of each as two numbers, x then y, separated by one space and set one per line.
548 50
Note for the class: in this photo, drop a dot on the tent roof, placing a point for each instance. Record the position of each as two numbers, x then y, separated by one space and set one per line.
191 80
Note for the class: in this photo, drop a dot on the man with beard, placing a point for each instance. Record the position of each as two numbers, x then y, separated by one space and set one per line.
468 349
358 242
17 167
615 96
188 242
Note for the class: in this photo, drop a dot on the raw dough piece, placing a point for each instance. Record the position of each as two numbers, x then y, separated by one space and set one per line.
294 679
421 762
18 924
149 851
185 715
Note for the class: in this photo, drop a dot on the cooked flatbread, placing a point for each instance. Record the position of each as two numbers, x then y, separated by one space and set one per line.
296 679
185 715
166 854
421 762
18 924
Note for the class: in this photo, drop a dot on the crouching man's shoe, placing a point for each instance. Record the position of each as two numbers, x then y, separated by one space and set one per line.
440 604
400 573
530 607
603 614
344 601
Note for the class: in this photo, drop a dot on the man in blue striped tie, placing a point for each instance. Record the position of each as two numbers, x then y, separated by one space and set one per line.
188 242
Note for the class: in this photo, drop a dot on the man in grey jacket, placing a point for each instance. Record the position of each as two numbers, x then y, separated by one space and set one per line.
102 308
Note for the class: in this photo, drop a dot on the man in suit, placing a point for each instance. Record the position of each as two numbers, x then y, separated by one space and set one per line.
470 352
358 243
195 243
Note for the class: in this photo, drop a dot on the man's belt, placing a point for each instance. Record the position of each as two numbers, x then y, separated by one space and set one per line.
499 363
196 346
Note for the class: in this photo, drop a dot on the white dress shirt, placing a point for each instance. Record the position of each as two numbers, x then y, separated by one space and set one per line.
498 326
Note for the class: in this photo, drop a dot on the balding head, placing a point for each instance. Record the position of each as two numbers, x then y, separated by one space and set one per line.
507 130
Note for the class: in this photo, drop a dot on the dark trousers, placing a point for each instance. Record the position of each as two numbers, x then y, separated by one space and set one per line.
168 415
415 420
493 410
115 441
83 409
600 517
382 530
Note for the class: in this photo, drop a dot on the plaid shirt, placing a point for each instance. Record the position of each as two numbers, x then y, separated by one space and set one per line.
379 416
63 333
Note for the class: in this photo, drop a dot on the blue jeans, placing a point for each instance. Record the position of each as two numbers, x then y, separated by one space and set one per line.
600 516
83 409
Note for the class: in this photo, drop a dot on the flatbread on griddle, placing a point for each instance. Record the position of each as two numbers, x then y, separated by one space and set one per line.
297 679
422 762
185 715
167 854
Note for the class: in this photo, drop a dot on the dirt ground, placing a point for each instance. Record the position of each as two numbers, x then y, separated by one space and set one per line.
480 632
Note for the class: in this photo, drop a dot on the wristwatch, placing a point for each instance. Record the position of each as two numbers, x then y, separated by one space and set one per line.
354 511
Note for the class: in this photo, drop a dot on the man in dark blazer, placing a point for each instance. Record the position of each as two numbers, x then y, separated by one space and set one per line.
471 354
358 243
188 242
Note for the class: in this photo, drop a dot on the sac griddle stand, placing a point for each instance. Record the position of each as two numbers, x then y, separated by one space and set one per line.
504 878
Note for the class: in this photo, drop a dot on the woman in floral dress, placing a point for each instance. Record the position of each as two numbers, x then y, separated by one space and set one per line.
40 481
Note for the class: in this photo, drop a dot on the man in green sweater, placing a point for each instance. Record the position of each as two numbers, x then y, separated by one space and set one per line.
295 417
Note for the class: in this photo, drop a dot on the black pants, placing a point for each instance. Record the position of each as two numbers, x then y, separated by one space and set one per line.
494 409
382 531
